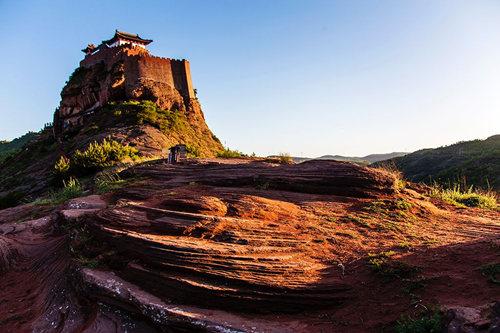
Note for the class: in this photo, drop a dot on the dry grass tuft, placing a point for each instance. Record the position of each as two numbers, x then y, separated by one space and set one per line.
465 198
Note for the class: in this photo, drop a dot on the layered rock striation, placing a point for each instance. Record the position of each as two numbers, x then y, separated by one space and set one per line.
243 246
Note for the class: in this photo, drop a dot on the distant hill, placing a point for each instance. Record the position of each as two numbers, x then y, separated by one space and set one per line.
474 162
358 160
8 148
372 158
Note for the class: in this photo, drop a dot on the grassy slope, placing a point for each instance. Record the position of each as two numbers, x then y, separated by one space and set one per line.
28 169
8 148
28 173
373 158
474 162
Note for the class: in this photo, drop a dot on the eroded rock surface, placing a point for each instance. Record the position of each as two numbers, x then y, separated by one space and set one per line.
243 246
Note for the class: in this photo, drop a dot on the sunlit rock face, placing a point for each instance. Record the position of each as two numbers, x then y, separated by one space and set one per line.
125 72
245 245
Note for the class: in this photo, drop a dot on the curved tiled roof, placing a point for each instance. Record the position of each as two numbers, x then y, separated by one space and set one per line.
128 36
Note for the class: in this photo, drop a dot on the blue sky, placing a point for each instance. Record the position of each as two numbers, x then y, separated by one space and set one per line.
298 76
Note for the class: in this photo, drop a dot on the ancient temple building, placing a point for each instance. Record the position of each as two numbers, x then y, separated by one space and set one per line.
119 39
123 38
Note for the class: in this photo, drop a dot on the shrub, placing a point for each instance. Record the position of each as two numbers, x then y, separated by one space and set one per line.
62 166
285 158
357 220
400 184
402 204
72 189
390 167
387 206
144 112
192 151
228 153
108 181
390 269
431 322
468 198
404 245
491 271
98 156
9 149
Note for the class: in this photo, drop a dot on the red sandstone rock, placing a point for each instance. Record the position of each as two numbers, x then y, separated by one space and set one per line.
230 246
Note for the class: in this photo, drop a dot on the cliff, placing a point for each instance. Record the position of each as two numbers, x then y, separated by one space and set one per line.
123 74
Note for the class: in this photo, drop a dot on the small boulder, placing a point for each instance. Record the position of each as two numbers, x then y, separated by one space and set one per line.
89 202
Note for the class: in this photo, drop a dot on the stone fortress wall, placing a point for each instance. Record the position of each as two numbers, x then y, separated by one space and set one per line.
121 73
140 63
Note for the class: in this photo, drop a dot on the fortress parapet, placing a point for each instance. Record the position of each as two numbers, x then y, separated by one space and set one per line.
131 49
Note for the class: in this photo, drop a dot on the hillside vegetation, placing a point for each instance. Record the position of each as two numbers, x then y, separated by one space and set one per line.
466 163
128 130
9 148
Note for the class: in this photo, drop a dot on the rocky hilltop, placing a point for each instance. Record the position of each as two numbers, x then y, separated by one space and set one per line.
127 72
119 92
